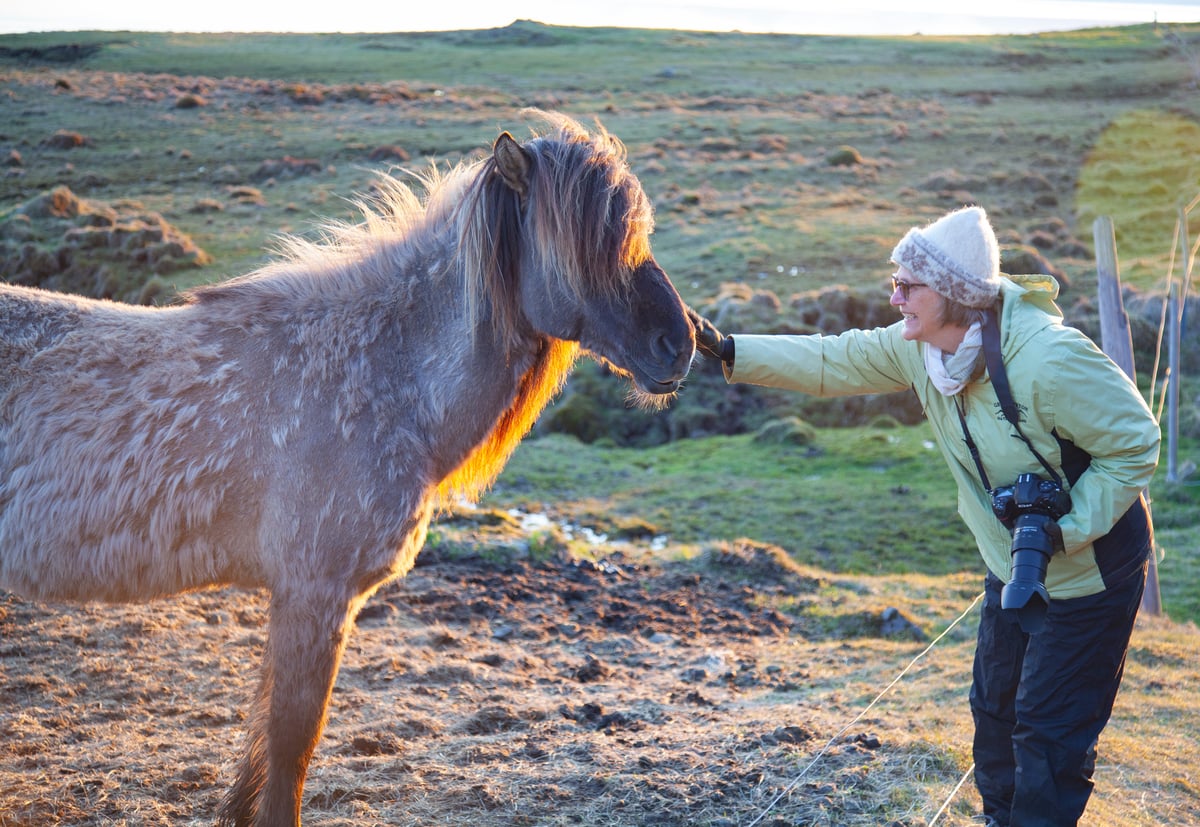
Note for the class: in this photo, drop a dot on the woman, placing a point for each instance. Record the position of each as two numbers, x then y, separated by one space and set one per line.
1039 699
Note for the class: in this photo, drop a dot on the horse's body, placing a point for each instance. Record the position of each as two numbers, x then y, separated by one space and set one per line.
294 429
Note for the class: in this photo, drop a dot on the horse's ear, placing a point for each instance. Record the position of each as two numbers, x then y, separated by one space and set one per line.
512 162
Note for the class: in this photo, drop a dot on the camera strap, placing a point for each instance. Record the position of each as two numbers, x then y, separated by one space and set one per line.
990 329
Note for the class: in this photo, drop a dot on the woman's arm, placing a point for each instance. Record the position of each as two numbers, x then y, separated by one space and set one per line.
854 362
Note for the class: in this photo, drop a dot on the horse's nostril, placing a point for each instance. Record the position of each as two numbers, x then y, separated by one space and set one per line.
664 348
672 351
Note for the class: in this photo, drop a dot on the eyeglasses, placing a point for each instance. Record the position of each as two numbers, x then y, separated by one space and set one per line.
905 287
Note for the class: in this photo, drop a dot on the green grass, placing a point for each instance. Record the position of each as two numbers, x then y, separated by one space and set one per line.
863 501
1142 171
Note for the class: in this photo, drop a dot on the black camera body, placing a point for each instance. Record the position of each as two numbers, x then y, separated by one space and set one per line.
1030 508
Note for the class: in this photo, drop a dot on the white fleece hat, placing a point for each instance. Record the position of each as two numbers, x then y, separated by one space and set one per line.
957 256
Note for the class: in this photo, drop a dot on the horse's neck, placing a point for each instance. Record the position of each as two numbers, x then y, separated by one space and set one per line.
527 396
391 339
472 382
496 385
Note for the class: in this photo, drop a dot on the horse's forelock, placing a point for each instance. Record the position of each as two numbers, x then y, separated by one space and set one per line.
584 213
588 211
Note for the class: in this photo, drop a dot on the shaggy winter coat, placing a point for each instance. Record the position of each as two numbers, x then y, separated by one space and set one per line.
295 428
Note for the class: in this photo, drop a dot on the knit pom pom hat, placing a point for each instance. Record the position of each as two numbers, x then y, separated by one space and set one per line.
956 255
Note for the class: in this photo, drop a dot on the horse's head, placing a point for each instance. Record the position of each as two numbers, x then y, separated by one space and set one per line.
574 241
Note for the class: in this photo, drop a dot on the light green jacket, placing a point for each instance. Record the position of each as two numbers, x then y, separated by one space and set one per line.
1060 380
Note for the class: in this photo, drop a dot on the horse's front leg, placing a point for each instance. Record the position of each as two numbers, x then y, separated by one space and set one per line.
304 649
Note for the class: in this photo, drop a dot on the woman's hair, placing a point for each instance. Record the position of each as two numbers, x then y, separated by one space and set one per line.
960 315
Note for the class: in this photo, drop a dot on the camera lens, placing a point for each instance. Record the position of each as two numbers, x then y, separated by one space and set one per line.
1026 590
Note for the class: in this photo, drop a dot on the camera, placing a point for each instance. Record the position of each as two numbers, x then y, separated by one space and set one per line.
1030 508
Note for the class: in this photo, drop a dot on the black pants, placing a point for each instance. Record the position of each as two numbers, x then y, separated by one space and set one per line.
1040 701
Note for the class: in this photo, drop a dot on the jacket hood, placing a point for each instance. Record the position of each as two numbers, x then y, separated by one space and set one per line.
1029 306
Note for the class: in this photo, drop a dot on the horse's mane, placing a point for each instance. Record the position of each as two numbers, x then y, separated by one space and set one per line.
393 218
582 219
586 221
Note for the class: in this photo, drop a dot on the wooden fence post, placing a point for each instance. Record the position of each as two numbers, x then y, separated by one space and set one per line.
1173 335
1117 341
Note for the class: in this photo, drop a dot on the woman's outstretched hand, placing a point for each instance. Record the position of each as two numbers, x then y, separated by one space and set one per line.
709 340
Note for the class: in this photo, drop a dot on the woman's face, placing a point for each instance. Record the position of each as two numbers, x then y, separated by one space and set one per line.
923 312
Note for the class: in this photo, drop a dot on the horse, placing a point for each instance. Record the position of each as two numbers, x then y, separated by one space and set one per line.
295 428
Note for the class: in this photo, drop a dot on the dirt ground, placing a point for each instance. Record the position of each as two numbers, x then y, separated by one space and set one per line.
559 692
518 692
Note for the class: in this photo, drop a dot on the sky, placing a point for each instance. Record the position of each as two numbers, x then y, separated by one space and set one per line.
870 17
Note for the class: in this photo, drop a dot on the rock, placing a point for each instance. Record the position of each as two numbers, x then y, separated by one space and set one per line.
593 669
867 741
375 610
390 152
372 745
65 139
286 167
787 735
893 623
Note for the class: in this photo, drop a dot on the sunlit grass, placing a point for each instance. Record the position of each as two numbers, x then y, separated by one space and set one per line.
1141 171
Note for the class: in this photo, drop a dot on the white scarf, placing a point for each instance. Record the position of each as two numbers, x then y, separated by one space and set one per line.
950 372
